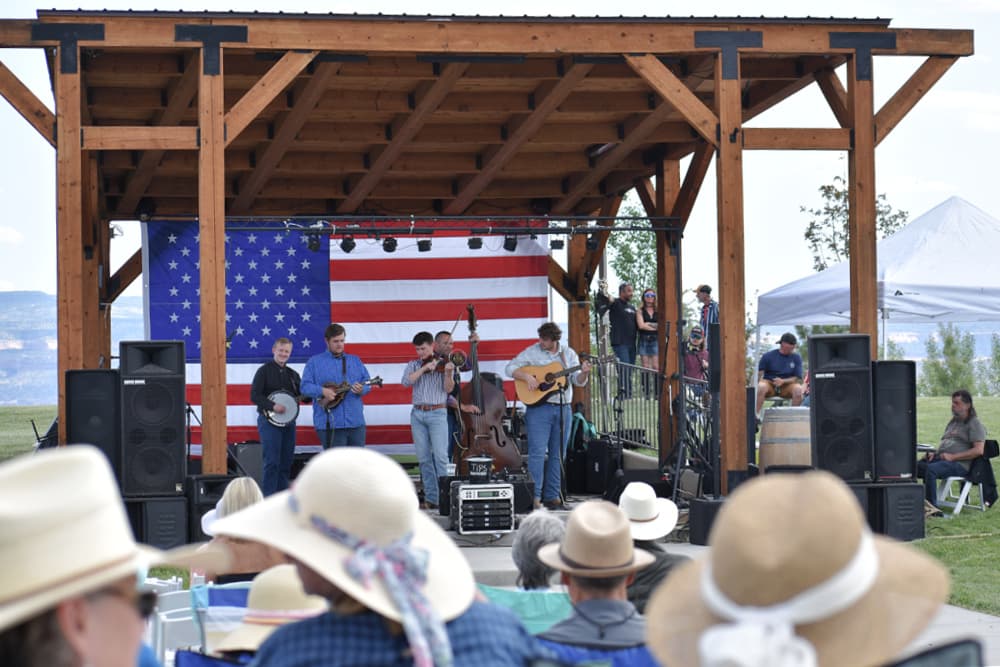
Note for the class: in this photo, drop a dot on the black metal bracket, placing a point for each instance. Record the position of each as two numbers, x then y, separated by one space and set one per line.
68 35
863 43
729 42
211 38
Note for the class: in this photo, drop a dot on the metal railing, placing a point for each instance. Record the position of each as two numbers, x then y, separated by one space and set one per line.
625 404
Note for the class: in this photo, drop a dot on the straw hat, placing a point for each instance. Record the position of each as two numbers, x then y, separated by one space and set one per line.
370 497
276 598
65 532
797 541
598 543
650 517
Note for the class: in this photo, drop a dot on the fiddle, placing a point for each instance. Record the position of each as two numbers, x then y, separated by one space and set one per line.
457 358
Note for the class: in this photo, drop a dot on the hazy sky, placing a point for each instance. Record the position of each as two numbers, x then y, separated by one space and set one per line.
946 146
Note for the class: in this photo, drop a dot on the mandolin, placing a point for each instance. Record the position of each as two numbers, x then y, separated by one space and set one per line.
341 389
551 377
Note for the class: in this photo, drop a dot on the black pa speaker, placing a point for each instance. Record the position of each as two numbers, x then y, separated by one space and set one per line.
159 522
247 460
92 412
894 386
152 407
203 492
714 358
604 458
576 470
701 516
893 509
841 408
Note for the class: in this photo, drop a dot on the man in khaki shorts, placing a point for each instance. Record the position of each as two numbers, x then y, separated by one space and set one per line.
779 372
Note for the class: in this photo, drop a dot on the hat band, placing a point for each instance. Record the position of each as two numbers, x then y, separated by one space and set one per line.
576 565
650 519
766 635
75 576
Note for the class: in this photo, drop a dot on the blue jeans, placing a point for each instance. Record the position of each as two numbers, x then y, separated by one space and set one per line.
430 438
547 425
935 470
626 355
278 443
343 437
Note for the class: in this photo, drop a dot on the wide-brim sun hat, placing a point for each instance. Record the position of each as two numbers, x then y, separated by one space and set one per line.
65 532
649 517
370 497
276 598
597 543
209 518
797 542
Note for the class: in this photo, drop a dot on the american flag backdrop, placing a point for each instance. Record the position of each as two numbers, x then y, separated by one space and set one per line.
276 286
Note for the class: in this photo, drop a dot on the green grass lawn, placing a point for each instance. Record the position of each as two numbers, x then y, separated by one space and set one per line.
16 436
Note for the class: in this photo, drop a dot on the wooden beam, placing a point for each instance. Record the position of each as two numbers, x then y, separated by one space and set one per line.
731 249
212 257
28 105
560 281
548 98
137 138
181 96
123 277
668 302
429 98
796 138
284 135
693 179
96 255
584 271
833 90
863 211
647 197
279 77
911 92
677 94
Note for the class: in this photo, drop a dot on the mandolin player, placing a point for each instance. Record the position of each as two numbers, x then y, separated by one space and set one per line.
277 436
337 380
548 421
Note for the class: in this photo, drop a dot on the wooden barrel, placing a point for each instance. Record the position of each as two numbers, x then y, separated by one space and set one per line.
785 438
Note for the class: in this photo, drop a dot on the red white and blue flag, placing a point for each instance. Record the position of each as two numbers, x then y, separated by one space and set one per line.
276 286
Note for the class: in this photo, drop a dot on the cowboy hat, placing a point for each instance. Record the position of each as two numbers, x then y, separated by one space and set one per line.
598 543
65 532
276 598
792 555
649 517
367 497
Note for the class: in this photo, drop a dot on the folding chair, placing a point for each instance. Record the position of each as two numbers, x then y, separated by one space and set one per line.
173 630
978 472
218 609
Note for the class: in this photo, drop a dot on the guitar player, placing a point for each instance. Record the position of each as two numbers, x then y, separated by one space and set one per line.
342 422
547 422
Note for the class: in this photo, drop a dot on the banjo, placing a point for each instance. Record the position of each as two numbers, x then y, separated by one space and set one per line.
290 403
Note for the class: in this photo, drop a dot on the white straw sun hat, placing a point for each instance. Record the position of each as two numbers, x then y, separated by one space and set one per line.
650 517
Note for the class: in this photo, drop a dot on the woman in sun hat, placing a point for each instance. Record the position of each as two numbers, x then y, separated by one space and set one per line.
650 520
69 564
794 577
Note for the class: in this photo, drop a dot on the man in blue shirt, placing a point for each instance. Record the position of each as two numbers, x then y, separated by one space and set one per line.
779 372
337 381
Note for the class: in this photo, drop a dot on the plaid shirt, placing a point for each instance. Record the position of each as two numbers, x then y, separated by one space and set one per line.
484 636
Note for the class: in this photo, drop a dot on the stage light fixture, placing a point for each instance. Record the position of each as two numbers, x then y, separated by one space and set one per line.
510 243
557 244
347 244
475 243
389 244
592 242
424 245
313 241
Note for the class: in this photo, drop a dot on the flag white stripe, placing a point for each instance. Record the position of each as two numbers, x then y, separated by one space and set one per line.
403 332
441 248
469 289
243 373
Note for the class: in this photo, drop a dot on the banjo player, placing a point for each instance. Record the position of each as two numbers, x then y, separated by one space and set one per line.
275 392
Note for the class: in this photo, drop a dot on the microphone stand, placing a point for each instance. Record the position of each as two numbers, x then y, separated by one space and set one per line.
191 414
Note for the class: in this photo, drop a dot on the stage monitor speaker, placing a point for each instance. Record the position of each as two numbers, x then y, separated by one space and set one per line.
894 387
701 516
250 456
893 509
604 458
160 522
203 492
576 471
152 407
92 412
714 358
841 409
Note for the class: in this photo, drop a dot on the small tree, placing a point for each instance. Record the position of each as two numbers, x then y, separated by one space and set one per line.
949 364
893 350
989 369
633 254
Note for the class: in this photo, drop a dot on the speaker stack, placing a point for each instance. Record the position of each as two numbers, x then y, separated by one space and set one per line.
863 426
135 415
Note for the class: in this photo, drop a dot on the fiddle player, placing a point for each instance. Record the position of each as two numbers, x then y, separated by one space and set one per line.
344 423
277 442
548 421
444 345
429 415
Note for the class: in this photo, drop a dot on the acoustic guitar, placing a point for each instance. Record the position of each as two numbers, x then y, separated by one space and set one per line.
551 377
341 389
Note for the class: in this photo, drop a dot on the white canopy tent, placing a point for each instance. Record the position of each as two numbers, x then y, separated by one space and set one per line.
942 267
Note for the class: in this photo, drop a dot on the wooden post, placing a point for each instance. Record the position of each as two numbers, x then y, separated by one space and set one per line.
578 310
211 227
668 183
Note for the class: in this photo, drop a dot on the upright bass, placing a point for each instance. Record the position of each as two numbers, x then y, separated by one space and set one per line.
482 433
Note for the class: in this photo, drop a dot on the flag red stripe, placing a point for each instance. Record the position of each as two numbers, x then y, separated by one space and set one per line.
438 268
416 311
306 435
497 350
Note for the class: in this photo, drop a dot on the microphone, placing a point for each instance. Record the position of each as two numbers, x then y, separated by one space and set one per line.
229 339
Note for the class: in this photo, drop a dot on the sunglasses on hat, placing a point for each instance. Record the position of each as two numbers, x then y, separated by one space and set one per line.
650 294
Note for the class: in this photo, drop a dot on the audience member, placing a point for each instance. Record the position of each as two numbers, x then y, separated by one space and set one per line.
247 557
68 586
779 372
400 591
650 520
963 441
276 598
794 576
598 561
709 313
622 317
696 356
646 319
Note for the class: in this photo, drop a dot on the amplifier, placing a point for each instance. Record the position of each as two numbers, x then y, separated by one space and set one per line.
482 508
